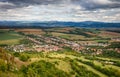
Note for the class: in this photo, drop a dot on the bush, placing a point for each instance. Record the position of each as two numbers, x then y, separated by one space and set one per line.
24 57
16 54
81 71
3 65
114 45
42 69
108 71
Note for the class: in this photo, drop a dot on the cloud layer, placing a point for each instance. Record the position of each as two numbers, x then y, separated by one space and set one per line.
86 4
98 4
60 10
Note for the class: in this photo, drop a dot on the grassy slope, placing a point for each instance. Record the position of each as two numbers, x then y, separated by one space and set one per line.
93 70
61 62
65 66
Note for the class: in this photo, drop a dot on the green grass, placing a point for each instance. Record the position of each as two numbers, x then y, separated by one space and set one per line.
10 42
43 69
9 35
68 36
89 67
93 70
109 69
68 64
102 41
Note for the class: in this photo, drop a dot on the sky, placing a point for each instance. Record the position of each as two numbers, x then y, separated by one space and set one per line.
60 10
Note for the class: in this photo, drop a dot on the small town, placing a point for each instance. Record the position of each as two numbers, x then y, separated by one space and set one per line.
40 43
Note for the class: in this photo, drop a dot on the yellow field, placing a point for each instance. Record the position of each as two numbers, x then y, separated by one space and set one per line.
109 34
9 42
30 31
68 36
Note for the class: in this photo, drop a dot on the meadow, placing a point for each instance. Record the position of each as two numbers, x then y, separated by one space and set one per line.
9 37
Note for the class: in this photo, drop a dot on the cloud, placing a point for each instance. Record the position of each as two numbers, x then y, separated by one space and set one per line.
60 10
59 13
12 4
6 5
97 4
85 4
24 3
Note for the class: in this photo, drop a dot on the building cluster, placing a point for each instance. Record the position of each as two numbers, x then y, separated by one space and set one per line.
59 43
46 48
44 43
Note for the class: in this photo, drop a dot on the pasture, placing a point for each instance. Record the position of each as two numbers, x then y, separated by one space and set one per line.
67 36
9 37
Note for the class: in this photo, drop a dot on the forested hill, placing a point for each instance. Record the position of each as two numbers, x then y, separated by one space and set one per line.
35 24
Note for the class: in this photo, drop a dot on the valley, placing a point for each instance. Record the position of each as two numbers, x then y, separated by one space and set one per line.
59 52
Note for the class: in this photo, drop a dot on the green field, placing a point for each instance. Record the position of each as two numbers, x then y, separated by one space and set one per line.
9 37
68 36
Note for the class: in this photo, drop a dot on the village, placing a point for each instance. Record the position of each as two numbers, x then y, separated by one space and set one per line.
40 43
46 44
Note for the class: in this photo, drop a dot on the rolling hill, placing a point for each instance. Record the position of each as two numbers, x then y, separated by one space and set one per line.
37 24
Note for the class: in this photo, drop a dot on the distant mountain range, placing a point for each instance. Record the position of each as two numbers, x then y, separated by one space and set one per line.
85 24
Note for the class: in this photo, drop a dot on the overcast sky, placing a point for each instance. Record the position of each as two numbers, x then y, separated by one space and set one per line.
60 10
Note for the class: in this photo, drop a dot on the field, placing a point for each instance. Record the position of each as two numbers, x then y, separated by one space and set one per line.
81 33
67 36
108 34
30 31
9 37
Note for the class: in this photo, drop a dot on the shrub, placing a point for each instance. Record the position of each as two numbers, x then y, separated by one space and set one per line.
16 54
24 57
43 69
3 65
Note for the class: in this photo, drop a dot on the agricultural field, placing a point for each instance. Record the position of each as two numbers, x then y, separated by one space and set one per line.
30 31
107 34
82 33
9 37
67 36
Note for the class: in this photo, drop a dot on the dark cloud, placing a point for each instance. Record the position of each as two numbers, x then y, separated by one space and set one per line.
115 0
32 2
24 3
3 7
100 4
27 2
85 4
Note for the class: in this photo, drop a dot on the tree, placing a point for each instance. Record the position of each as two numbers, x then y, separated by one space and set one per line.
16 54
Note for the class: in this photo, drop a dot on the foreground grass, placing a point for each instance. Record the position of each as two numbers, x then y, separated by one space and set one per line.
93 70
65 64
